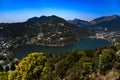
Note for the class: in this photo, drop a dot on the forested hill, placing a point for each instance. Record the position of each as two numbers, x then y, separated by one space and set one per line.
45 29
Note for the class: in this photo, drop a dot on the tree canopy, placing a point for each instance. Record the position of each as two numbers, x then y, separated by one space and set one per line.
33 67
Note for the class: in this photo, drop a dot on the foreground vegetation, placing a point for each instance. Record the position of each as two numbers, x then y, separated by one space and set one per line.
3 76
98 64
87 65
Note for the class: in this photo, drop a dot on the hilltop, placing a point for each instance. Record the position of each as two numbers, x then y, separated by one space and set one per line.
44 30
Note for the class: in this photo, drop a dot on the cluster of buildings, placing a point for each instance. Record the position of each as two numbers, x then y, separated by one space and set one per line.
6 59
4 43
49 38
104 33
110 36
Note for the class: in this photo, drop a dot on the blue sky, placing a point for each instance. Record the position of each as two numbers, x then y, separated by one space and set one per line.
21 10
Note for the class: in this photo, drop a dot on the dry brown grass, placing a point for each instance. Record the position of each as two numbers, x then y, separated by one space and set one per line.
110 75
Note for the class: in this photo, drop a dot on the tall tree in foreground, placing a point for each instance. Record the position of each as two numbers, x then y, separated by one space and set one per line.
33 67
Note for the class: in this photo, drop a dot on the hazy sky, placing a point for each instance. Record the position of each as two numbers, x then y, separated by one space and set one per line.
21 10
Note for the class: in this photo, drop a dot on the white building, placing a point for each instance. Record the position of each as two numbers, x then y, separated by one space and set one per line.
40 35
100 35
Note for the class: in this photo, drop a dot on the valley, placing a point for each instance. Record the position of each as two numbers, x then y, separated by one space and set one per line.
52 35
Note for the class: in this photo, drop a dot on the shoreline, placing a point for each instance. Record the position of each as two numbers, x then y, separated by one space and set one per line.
51 45
62 45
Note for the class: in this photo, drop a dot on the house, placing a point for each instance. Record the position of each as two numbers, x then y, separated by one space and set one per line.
40 35
100 35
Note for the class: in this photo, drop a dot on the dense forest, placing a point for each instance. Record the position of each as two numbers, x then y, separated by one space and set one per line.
99 64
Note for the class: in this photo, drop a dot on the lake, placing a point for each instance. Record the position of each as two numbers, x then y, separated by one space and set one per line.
83 44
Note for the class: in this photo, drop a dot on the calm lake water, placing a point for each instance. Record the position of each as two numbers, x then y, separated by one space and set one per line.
83 44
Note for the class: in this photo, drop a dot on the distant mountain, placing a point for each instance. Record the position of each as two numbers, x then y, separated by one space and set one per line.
80 23
45 30
110 22
104 19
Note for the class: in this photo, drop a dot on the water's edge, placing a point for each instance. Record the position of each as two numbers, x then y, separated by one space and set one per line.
83 44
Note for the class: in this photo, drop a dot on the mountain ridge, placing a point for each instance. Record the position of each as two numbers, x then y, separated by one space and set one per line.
110 22
44 30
